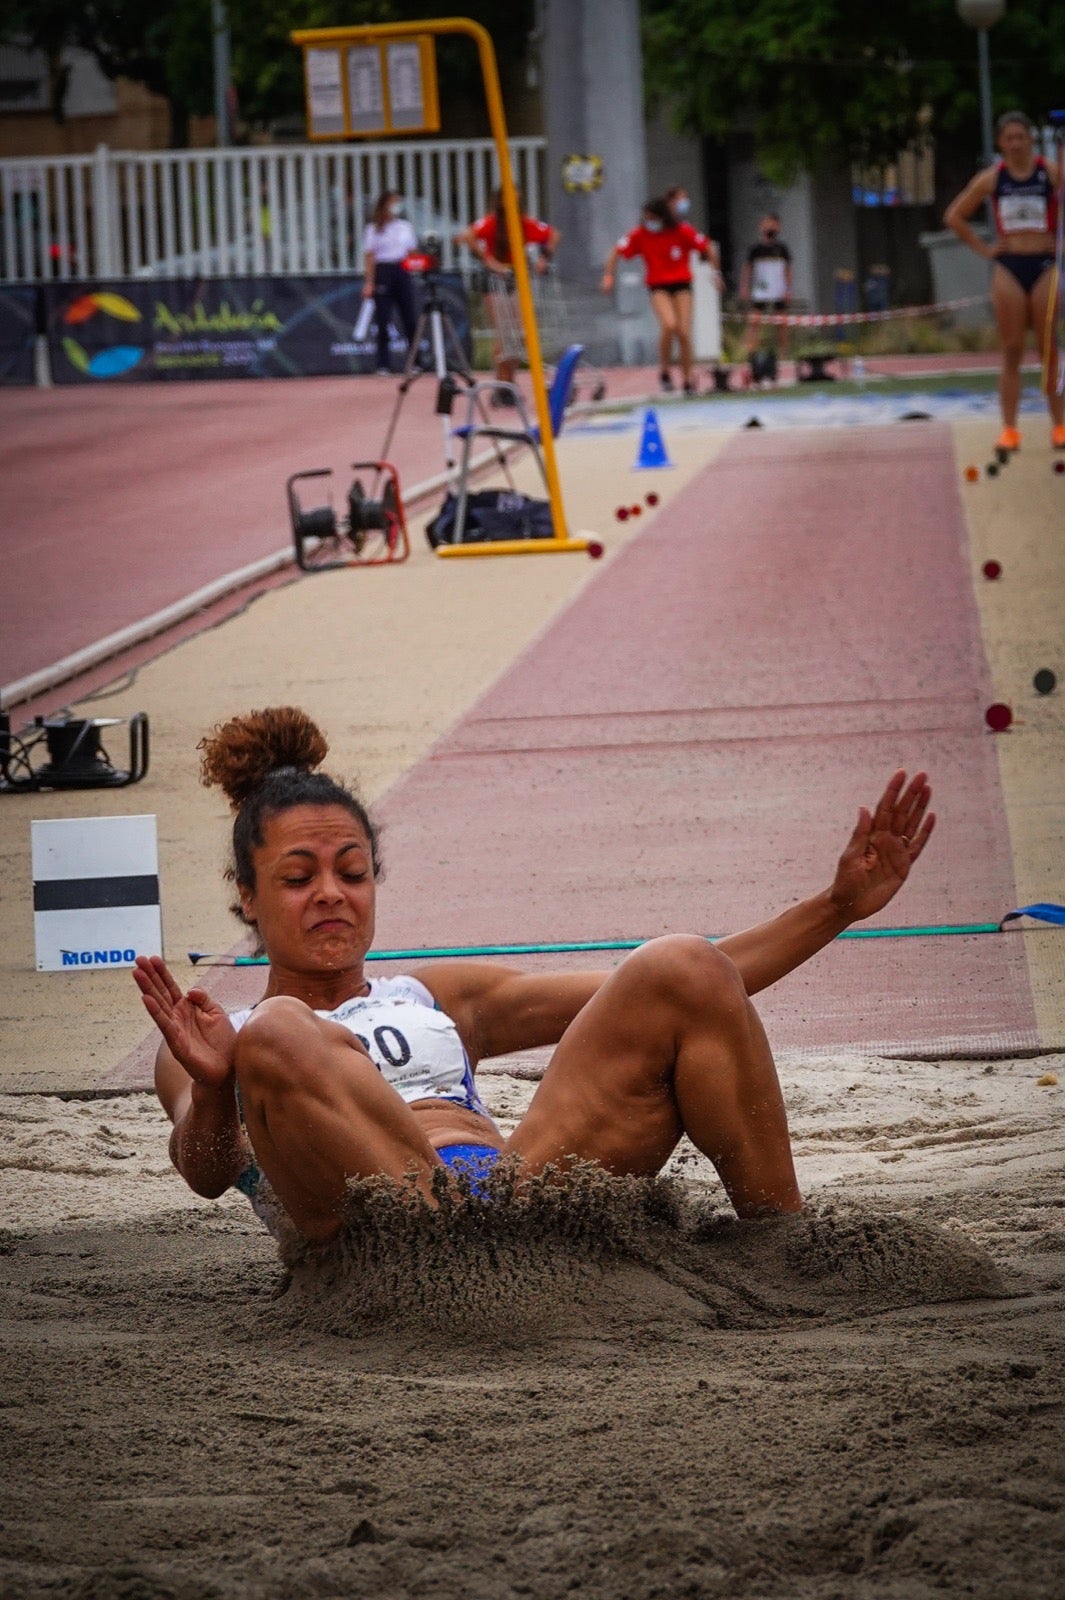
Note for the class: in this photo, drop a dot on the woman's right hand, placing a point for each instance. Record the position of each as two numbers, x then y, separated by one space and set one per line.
607 282
198 1033
367 291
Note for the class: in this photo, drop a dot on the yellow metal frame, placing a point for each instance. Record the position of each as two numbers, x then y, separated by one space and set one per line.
516 241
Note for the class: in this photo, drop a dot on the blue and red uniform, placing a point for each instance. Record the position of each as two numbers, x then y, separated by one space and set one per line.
1024 205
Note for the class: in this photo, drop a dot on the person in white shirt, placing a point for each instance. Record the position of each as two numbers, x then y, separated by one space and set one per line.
766 282
387 242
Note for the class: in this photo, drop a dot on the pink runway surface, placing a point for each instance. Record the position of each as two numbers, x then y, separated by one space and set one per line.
687 746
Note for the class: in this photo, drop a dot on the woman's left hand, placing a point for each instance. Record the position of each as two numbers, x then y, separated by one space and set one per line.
883 847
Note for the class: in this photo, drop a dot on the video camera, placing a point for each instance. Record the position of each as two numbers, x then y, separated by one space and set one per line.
426 261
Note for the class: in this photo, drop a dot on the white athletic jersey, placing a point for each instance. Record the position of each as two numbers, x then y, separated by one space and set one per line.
412 1043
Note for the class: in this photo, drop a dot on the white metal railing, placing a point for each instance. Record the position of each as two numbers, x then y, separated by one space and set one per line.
239 212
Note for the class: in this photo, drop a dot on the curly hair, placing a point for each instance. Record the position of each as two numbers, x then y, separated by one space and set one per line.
264 762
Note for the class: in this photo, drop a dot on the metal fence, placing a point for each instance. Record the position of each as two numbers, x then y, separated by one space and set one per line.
218 213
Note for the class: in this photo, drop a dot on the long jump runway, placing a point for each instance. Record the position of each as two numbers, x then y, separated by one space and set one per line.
686 746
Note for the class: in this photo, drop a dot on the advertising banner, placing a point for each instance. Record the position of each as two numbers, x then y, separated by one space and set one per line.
166 328
18 329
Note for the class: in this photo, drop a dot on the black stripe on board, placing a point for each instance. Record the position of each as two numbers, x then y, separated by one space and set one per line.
94 894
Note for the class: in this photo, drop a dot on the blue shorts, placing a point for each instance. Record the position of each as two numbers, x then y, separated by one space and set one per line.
475 1161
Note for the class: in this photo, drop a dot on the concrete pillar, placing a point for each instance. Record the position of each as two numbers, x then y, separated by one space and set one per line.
593 106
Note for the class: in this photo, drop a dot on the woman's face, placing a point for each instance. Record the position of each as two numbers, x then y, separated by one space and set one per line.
1015 143
313 901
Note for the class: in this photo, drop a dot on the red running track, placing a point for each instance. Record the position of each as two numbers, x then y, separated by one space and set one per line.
119 502
686 747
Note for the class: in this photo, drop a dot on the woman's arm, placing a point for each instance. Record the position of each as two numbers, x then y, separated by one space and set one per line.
369 267
607 282
548 246
207 1145
965 205
872 869
499 1011
194 1079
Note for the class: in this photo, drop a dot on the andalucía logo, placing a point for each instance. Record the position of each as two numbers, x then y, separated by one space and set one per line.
115 359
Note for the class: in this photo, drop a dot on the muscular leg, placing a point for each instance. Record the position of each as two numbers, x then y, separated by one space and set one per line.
318 1112
682 304
665 311
1039 302
1010 305
670 1044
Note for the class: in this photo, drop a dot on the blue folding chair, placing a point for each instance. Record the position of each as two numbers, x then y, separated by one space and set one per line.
527 433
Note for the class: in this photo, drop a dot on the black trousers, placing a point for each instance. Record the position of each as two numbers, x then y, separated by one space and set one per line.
393 296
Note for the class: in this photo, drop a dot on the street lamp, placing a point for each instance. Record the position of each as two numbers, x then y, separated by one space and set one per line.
982 15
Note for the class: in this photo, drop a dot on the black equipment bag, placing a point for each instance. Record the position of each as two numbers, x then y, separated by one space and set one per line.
492 514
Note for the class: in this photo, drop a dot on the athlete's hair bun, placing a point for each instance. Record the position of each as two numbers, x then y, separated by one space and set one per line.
238 754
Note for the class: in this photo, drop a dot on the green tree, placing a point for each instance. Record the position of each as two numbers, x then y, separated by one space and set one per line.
831 81
167 45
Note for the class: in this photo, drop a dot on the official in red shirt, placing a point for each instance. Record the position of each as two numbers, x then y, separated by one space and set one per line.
487 239
666 245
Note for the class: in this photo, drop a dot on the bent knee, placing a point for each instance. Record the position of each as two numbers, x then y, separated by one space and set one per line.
281 1043
690 971
1013 352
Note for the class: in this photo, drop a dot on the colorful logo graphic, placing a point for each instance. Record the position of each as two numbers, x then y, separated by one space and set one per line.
116 359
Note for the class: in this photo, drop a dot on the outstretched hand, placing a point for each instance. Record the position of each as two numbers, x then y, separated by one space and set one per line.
198 1032
883 847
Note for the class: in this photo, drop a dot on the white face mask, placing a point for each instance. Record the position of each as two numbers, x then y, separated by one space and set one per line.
397 208
652 225
682 207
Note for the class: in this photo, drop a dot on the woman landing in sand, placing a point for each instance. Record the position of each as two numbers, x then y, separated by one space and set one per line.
334 1075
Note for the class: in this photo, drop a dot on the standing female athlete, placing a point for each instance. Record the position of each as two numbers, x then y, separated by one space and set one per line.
665 243
1022 189
336 1075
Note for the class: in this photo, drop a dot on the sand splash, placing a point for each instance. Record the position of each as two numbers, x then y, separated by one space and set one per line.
583 1251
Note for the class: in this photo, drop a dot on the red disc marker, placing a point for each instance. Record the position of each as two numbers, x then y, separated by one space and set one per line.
652 498
992 569
998 717
622 513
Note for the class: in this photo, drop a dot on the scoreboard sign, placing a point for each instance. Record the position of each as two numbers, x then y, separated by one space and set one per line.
369 88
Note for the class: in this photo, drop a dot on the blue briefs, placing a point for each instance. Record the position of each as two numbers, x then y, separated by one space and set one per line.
474 1160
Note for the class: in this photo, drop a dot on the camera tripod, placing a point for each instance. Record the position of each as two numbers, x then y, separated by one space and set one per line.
449 366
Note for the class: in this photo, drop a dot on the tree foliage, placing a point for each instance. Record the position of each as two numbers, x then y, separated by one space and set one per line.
830 81
168 44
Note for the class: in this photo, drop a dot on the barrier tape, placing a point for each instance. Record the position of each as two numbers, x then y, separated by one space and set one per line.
840 319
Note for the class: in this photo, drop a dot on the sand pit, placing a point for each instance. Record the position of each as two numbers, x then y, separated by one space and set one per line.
620 1392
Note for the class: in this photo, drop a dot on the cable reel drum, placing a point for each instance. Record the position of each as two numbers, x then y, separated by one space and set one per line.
373 533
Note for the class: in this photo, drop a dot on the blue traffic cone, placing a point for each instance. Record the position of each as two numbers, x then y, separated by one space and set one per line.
653 451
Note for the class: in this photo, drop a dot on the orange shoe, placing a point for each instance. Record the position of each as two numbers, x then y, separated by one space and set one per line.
1057 437
1008 439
